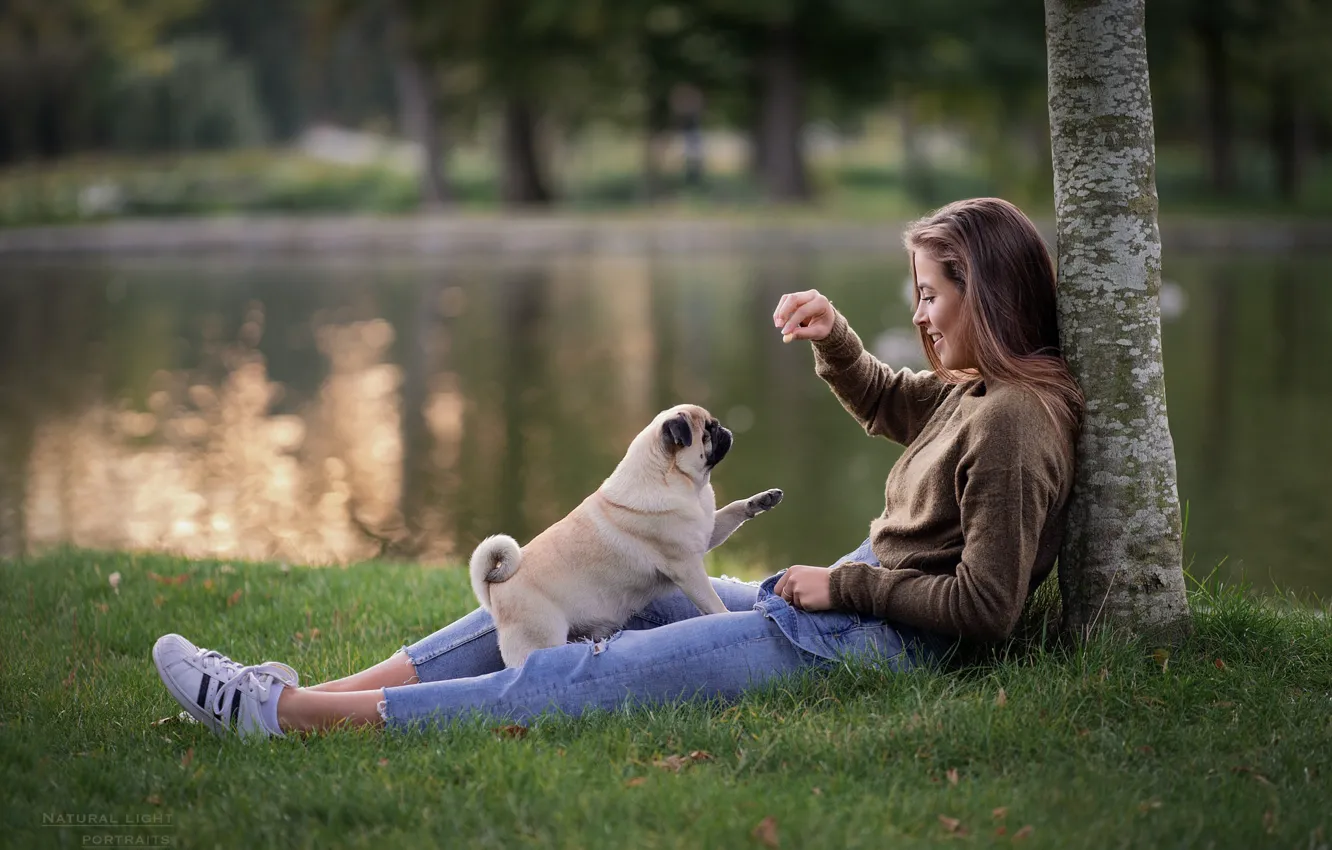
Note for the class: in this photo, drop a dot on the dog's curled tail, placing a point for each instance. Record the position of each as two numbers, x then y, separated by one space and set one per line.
495 560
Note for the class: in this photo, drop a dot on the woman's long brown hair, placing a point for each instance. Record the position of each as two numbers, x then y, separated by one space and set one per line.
997 259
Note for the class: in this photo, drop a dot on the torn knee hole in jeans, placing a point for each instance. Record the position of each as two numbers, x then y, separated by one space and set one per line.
383 710
599 646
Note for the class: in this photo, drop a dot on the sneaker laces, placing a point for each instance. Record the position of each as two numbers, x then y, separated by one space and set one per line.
255 681
214 662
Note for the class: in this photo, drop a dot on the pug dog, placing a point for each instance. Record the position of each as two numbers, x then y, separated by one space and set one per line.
642 532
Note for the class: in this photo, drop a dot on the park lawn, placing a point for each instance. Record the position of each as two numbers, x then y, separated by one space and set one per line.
1225 741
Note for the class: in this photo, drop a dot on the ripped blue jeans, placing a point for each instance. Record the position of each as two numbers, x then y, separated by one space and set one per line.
668 651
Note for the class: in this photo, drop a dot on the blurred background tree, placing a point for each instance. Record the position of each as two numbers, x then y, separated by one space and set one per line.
594 102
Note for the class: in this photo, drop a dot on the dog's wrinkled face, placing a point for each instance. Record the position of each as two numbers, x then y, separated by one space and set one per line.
697 441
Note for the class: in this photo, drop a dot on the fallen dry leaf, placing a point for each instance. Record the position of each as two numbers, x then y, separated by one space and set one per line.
183 717
103 607
235 597
635 782
1250 771
1000 831
1225 703
159 600
1024 832
1220 665
1000 813
513 730
187 758
1146 750
1149 805
208 584
1002 699
952 825
952 776
153 799
383 762
701 755
672 763
816 791
766 832
178 579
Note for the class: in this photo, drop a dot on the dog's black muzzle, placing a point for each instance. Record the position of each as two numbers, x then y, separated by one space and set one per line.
720 440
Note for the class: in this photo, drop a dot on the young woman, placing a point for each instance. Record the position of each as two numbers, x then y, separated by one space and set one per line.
973 516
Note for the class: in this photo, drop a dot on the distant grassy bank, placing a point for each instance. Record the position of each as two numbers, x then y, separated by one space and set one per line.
1225 742
855 186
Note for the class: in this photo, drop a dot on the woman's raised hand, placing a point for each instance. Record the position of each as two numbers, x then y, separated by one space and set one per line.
804 315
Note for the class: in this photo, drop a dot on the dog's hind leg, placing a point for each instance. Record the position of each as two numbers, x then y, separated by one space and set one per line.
726 520
530 629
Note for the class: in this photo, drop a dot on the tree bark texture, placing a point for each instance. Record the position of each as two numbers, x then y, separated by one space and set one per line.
1121 564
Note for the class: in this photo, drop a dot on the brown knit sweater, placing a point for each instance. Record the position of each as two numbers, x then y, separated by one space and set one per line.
974 509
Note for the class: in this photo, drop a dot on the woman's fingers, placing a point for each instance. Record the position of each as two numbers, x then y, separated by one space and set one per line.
805 315
789 303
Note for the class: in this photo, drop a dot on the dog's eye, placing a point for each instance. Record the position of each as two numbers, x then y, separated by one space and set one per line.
707 438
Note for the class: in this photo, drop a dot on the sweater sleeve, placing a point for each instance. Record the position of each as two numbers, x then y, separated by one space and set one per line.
886 402
1006 495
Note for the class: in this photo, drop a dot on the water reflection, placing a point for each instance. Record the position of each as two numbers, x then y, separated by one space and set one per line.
319 412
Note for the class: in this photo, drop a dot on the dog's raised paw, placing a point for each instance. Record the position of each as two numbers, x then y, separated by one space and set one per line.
764 501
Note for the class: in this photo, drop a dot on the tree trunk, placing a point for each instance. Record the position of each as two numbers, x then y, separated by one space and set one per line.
417 109
1121 563
522 182
656 121
1284 135
781 155
1211 30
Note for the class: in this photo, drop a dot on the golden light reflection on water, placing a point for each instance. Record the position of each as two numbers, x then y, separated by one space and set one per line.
214 472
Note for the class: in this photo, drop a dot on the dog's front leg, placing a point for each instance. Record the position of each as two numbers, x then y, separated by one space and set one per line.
693 579
726 520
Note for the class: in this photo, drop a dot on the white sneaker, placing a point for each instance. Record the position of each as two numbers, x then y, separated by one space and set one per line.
219 692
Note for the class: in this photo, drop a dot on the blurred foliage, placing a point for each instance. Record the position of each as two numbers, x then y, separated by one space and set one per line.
1242 100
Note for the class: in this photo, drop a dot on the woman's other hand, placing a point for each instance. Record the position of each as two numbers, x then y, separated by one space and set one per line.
804 315
806 587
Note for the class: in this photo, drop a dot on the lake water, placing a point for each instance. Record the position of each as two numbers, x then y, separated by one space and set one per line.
311 410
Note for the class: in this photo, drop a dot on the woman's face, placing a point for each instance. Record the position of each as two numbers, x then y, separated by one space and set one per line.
939 313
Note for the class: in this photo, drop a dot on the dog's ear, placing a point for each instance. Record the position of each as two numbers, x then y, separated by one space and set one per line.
675 432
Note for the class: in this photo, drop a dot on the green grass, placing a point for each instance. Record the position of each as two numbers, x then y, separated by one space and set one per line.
1227 744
